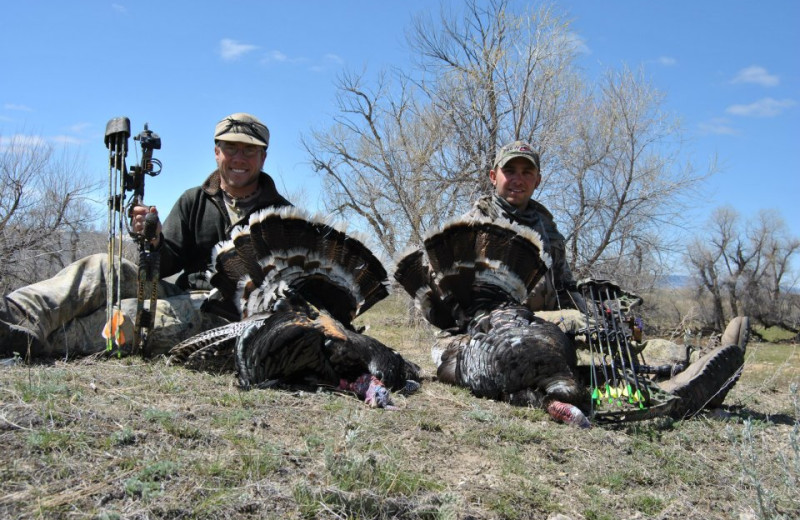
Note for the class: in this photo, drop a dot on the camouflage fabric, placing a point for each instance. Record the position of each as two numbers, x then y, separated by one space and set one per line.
568 320
67 313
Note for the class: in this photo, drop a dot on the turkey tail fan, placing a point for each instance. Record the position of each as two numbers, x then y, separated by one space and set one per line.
233 260
286 227
328 250
284 248
481 263
324 286
413 273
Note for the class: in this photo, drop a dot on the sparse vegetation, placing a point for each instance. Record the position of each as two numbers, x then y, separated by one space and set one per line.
126 438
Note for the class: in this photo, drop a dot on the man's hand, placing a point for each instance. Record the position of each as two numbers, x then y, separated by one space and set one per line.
145 222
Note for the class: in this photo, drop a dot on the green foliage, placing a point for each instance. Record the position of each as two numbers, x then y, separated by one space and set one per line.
51 440
148 482
647 503
774 334
124 437
527 501
377 471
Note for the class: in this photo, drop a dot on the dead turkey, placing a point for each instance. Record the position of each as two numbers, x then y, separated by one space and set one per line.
298 283
471 279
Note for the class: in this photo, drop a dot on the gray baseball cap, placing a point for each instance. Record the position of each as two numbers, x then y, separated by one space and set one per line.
242 128
514 150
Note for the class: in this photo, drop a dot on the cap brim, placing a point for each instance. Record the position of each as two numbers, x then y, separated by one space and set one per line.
240 138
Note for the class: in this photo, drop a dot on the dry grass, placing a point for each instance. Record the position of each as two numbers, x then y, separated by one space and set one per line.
110 438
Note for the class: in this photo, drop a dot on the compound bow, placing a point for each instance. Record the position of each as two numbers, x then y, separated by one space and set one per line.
121 180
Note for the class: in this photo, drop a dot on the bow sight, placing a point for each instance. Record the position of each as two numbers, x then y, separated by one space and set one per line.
120 181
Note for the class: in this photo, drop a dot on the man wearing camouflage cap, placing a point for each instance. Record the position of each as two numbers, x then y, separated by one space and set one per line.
63 316
515 175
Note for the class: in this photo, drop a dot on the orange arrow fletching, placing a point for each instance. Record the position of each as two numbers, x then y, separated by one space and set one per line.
113 328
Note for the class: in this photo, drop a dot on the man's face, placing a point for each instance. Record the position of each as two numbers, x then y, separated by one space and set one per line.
516 181
239 165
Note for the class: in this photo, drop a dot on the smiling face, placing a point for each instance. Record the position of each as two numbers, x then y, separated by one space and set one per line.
516 181
239 165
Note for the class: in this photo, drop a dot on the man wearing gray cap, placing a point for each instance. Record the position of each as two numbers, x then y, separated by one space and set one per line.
515 175
64 315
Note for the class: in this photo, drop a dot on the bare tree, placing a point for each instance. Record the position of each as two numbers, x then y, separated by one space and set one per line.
748 265
43 210
622 183
376 160
705 261
494 76
770 283
407 151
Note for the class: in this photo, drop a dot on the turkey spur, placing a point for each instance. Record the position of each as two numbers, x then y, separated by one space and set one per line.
471 280
299 282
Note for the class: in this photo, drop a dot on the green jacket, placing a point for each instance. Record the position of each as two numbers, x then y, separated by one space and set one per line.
197 222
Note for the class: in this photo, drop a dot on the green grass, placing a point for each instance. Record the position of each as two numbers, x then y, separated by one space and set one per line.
774 334
125 438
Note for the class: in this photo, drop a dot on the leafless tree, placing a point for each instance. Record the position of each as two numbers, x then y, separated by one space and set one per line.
43 209
409 150
376 160
621 183
748 266
495 76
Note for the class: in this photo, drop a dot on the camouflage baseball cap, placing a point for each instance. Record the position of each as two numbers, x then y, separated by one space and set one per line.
242 128
514 150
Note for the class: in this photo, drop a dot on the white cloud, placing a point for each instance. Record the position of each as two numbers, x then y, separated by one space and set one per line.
66 139
717 126
21 141
79 128
328 61
578 43
757 75
232 50
276 56
121 9
766 107
315 65
21 108
667 61
334 58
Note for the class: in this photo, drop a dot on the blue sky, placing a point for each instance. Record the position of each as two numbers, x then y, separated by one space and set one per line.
729 70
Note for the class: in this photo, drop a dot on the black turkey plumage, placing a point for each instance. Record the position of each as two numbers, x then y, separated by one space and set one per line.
471 280
299 282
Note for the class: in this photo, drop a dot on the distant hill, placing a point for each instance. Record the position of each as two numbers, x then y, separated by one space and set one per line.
675 281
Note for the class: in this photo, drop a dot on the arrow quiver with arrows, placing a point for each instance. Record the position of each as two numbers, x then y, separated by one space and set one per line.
120 181
620 389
